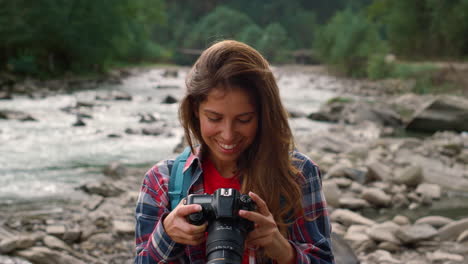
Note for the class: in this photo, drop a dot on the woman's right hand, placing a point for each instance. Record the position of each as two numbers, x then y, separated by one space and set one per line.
180 230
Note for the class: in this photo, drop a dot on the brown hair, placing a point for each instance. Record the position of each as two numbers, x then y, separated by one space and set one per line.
265 166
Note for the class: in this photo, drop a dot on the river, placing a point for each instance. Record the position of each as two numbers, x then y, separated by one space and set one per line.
47 160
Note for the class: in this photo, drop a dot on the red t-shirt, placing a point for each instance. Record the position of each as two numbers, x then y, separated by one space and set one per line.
212 181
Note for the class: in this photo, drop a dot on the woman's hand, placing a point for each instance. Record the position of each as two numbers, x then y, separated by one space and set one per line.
180 230
266 233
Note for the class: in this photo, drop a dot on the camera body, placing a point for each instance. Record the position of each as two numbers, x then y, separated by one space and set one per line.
226 229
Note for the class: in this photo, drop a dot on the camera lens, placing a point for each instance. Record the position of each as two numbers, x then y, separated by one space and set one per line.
225 242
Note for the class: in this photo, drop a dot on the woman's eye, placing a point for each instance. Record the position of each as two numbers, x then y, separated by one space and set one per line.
214 119
245 121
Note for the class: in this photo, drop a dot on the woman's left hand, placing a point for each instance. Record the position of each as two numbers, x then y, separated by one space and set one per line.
266 233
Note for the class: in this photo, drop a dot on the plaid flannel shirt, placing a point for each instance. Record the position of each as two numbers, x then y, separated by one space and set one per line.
309 238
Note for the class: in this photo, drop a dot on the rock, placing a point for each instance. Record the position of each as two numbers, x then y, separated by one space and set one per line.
463 237
353 203
149 117
378 172
43 255
384 232
389 246
443 113
453 230
115 170
338 228
382 256
356 236
124 227
169 100
415 233
53 242
152 131
342 182
347 217
56 230
171 73
401 220
167 86
444 257
15 115
376 197
13 260
431 191
106 189
410 176
21 242
342 251
331 192
79 122
93 202
435 221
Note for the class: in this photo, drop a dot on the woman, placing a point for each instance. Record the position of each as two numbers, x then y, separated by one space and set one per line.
233 111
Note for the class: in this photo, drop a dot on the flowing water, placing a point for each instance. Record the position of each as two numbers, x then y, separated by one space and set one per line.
47 160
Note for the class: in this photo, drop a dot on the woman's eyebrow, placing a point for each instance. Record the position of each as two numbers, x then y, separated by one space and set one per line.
216 113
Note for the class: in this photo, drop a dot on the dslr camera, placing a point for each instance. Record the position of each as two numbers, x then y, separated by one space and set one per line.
226 229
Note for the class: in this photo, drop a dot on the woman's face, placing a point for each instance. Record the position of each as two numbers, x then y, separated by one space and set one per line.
228 123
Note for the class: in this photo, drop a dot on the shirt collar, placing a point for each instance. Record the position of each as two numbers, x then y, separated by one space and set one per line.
194 158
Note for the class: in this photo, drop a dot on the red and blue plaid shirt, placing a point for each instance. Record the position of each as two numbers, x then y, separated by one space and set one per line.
310 238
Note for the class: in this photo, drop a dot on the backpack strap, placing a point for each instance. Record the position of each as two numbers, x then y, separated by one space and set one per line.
179 181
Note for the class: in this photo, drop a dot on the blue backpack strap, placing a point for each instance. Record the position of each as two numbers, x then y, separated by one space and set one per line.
179 181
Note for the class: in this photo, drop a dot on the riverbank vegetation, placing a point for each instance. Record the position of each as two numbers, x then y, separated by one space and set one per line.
361 38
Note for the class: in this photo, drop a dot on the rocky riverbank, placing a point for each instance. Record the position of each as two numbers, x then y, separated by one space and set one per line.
380 184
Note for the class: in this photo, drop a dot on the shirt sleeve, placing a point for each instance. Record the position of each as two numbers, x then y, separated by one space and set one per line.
310 234
153 244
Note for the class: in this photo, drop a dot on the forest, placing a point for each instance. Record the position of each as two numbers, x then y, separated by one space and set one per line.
48 38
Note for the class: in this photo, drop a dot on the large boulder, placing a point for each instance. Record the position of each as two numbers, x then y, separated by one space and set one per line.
342 251
442 113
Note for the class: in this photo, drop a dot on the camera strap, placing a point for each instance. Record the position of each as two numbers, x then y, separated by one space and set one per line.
179 182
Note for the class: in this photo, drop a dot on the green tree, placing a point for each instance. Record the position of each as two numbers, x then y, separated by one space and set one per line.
275 44
348 41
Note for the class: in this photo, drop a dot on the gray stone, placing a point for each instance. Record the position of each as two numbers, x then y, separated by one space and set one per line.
43 255
115 170
434 220
415 233
347 218
53 242
342 251
463 237
13 260
384 232
401 220
332 193
453 230
124 227
353 203
56 230
444 257
378 172
443 113
429 190
410 176
14 243
15 115
376 197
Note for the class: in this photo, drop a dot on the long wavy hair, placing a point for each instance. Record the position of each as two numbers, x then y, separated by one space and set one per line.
265 166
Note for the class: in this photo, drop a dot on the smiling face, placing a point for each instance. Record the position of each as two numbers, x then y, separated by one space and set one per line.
228 124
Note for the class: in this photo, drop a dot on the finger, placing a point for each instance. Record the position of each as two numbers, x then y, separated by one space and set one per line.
261 205
184 210
252 216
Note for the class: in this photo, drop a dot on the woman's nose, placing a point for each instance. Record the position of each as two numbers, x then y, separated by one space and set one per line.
227 133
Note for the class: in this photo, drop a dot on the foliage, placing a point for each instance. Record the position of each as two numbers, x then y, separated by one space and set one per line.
378 68
274 43
348 41
75 35
222 23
